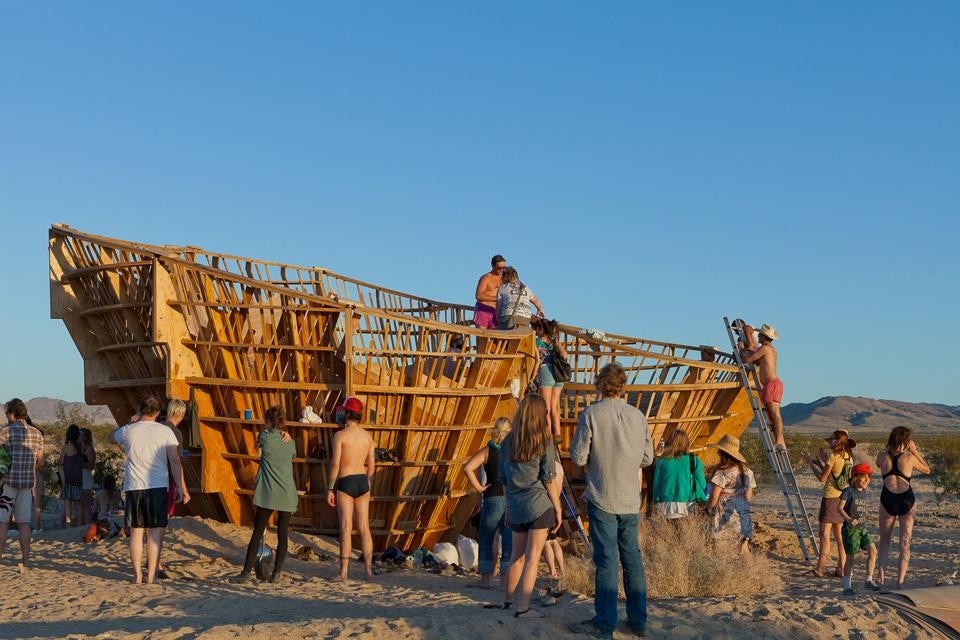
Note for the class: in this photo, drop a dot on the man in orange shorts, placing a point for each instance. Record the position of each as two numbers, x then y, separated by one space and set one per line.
771 392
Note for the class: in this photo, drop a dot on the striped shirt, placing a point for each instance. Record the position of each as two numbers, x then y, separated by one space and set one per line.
24 444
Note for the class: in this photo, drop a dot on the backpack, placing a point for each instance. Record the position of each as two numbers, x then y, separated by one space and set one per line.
842 480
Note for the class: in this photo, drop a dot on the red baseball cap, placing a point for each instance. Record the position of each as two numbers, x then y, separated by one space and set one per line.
352 404
862 469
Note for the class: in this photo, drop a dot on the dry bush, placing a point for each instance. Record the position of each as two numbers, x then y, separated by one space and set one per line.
683 559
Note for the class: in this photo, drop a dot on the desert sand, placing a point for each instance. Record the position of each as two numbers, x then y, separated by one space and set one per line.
80 590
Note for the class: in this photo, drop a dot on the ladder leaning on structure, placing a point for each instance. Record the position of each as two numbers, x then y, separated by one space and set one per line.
777 458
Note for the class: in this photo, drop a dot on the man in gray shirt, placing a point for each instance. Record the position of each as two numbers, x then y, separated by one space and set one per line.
613 441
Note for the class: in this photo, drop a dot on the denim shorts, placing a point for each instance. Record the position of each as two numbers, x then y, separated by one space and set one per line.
546 378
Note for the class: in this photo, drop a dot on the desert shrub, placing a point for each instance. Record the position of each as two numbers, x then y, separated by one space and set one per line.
109 461
942 453
683 559
752 450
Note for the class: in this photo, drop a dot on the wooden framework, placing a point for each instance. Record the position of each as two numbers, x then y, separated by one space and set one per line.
233 334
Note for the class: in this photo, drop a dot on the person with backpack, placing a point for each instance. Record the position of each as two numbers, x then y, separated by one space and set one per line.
678 479
835 475
514 300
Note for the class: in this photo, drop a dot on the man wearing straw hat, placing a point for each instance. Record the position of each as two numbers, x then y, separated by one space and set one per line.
771 392
613 441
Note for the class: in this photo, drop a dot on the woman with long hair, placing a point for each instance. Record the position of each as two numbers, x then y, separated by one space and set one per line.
835 476
514 300
527 467
89 461
732 484
71 468
493 506
548 348
898 462
274 490
678 478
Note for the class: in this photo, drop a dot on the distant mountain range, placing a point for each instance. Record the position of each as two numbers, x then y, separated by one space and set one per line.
44 411
825 414
868 414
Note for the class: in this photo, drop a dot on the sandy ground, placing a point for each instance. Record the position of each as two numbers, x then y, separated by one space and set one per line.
79 590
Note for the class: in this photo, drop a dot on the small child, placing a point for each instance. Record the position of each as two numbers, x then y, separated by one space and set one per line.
731 489
552 551
853 502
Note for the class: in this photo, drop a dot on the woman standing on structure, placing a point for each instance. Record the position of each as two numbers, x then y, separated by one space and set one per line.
548 348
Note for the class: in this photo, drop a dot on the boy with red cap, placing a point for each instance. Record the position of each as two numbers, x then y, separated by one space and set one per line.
348 486
853 503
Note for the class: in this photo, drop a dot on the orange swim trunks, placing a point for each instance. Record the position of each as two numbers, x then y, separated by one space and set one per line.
772 392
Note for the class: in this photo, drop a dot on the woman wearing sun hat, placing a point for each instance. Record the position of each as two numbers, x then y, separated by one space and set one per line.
731 489
835 476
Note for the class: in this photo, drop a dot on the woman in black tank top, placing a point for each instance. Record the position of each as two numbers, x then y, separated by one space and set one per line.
493 506
897 501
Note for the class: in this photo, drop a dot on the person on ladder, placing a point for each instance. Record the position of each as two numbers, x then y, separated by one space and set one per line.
771 391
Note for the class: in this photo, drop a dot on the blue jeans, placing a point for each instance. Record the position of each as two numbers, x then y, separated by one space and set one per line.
612 535
491 519
740 506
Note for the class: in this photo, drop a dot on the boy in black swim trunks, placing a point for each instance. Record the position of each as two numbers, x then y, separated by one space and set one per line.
853 502
348 488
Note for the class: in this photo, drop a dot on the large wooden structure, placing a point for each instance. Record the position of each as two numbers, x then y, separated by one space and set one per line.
234 335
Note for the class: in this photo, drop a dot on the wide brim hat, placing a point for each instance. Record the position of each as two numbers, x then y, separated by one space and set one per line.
729 445
850 441
769 331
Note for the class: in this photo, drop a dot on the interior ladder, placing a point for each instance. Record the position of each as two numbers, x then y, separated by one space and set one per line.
778 459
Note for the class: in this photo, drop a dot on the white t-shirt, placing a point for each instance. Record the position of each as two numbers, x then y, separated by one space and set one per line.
145 444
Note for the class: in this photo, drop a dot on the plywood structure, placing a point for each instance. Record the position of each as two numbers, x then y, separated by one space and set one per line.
232 334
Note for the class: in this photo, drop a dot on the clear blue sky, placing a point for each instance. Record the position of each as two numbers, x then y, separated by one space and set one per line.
648 169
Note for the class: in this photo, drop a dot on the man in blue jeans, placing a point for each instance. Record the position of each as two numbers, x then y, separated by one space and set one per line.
613 442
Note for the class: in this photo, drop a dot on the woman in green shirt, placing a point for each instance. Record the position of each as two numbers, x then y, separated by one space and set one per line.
274 490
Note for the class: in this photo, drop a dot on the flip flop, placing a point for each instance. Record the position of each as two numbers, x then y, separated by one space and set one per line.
528 613
813 573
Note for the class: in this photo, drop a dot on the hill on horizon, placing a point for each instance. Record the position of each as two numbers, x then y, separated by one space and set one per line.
869 414
43 410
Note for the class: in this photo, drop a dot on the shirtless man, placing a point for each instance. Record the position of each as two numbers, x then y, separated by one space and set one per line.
484 314
771 393
348 489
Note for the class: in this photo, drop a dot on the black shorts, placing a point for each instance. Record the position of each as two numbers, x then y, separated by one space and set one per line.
545 521
355 485
147 508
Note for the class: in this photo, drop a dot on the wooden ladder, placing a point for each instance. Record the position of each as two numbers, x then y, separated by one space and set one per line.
777 458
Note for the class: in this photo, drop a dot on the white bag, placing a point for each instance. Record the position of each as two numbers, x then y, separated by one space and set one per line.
469 552
445 553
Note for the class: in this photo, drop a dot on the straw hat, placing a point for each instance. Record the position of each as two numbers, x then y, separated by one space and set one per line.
850 441
730 445
769 331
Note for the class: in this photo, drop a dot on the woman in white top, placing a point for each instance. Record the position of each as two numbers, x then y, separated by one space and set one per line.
514 300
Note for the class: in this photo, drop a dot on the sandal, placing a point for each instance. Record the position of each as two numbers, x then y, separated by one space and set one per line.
528 613
813 573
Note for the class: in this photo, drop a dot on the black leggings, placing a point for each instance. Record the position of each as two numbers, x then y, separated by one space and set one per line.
259 526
